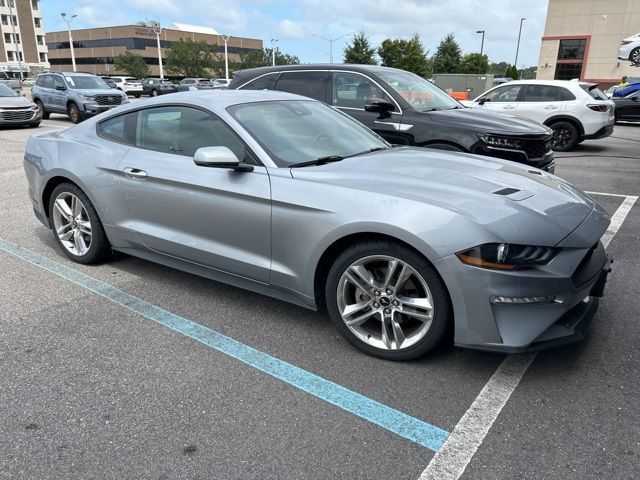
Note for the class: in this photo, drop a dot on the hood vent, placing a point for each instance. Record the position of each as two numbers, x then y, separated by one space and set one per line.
506 191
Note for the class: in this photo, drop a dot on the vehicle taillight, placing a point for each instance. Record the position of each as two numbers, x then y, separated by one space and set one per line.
598 108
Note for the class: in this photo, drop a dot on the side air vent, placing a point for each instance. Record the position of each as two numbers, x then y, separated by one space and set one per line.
506 191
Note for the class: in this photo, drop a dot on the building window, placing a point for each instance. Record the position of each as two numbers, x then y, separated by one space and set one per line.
40 39
4 3
37 22
34 4
568 71
43 57
17 38
7 38
5 20
572 49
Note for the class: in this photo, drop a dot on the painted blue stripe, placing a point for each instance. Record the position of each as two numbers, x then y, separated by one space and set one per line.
375 412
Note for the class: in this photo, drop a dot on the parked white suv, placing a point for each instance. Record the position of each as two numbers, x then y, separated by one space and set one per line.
576 111
630 49
129 85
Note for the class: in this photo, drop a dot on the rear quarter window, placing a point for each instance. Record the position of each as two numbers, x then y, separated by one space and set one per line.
594 92
121 129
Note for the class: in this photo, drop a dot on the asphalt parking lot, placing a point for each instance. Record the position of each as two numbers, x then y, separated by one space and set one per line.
95 385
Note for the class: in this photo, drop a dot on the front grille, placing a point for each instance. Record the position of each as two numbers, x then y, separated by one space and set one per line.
536 149
17 114
108 99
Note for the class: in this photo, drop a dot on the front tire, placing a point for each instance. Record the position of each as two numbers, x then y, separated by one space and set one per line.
634 56
34 125
565 136
387 300
154 93
74 113
137 95
76 226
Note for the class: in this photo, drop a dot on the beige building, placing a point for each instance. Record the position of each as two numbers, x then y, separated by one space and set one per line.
95 49
22 38
582 38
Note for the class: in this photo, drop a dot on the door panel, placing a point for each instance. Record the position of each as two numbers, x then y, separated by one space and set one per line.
211 216
540 101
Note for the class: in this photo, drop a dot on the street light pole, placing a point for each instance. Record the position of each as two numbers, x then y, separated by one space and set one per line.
481 51
68 22
157 29
331 40
15 38
226 57
273 51
518 47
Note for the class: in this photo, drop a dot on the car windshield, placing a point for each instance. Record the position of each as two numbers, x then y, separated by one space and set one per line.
7 92
421 94
78 82
297 131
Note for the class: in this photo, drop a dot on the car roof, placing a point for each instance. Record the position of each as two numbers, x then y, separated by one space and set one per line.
217 99
353 67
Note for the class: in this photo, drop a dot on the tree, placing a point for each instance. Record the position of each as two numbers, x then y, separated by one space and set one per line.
499 69
263 58
529 73
448 56
406 55
512 72
359 50
131 64
474 63
187 58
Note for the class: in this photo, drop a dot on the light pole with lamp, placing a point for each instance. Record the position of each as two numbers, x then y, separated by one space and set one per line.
331 40
481 51
157 29
68 22
273 51
225 38
518 47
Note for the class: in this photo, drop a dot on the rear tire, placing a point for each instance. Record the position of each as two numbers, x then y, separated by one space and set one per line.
154 93
565 136
74 113
76 226
137 95
634 56
414 312
45 114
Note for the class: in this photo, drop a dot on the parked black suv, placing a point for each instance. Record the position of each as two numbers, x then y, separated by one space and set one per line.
406 109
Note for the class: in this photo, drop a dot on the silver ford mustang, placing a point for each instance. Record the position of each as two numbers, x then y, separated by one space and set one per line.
286 196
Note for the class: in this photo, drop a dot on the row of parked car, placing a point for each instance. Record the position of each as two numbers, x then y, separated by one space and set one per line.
156 86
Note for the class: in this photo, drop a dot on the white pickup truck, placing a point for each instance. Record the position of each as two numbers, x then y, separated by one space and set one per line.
12 83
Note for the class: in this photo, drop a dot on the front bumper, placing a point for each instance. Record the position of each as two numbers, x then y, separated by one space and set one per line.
570 285
540 156
94 108
19 117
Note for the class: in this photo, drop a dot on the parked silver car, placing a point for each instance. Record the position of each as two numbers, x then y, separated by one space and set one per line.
17 110
286 196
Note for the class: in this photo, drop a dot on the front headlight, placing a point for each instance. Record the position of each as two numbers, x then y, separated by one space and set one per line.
502 256
89 98
503 142
125 99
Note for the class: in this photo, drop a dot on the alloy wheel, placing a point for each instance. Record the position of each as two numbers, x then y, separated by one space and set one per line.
71 223
561 137
385 302
635 56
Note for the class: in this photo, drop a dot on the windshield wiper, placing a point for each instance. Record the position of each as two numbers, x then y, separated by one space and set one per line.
318 161
333 158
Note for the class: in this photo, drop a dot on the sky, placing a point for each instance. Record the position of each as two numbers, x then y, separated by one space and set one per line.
294 23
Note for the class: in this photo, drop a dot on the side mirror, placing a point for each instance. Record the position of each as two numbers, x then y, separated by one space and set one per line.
220 157
380 106
635 99
61 87
482 101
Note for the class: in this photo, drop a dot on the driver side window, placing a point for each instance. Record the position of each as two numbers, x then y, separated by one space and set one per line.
508 93
352 90
183 130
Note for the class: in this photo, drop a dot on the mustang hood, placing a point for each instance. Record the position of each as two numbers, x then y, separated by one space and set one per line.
506 198
491 122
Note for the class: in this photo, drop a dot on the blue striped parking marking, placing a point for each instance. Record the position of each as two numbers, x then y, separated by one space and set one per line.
395 421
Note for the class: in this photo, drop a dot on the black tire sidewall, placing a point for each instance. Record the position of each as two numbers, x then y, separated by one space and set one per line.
69 110
574 139
100 247
45 114
442 304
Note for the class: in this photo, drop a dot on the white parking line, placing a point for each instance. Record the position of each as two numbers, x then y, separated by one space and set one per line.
450 462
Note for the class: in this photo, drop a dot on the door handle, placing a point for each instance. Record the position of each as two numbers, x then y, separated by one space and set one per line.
551 107
134 173
508 107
